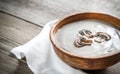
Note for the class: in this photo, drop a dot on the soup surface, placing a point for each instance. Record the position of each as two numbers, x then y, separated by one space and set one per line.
66 36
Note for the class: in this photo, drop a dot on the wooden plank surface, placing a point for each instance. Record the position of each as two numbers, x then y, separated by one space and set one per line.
17 30
21 20
14 32
43 11
8 63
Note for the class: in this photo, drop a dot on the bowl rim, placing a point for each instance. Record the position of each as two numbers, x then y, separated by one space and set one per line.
51 35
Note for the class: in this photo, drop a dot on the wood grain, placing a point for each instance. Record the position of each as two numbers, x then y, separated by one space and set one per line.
42 11
17 30
9 65
14 32
21 20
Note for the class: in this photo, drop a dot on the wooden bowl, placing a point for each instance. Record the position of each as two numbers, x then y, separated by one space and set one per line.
81 62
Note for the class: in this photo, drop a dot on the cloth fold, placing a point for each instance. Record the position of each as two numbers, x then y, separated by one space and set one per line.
41 57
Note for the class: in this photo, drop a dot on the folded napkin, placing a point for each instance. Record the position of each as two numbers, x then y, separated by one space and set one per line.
41 57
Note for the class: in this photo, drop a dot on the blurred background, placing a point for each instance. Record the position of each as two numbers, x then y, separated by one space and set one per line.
21 20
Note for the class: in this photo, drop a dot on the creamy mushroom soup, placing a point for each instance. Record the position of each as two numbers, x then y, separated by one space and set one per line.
100 38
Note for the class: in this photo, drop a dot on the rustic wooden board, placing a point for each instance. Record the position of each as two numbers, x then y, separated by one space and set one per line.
6 45
17 30
42 11
9 65
14 32
21 20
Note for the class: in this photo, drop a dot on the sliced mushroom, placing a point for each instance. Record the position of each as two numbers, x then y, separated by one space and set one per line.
78 43
85 41
101 37
85 37
85 32
82 41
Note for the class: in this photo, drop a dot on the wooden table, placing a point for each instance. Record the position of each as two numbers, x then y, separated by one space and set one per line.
21 20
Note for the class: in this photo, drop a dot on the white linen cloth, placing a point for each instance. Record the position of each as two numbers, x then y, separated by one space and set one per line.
41 57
